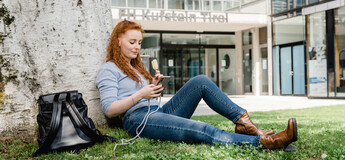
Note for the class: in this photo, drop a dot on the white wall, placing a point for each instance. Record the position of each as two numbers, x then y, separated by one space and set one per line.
51 46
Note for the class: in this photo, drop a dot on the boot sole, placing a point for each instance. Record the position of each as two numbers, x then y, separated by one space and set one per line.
295 133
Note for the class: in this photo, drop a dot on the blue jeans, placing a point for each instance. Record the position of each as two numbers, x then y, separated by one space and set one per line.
172 122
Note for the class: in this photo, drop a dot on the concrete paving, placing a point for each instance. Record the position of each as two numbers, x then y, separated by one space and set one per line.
266 103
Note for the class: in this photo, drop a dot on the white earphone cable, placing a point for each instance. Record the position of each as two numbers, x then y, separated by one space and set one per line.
143 124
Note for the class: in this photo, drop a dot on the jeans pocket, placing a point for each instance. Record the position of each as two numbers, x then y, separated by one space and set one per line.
132 121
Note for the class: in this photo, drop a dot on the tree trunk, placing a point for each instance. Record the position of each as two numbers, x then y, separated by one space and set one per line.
49 46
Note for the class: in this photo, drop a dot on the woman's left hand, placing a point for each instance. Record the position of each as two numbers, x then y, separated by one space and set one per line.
156 78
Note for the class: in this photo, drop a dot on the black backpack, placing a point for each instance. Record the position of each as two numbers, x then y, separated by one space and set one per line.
63 123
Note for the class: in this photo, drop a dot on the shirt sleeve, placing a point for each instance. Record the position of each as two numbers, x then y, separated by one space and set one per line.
107 83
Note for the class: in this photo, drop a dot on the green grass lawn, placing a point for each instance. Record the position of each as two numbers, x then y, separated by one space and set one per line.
321 133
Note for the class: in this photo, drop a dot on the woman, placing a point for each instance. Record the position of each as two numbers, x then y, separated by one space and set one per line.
127 89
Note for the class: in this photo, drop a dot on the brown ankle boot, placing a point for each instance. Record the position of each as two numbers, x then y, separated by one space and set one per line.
283 138
245 126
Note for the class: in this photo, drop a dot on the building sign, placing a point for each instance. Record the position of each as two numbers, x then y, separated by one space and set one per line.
173 15
152 52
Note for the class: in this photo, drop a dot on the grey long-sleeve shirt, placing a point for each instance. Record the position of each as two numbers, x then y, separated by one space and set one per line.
114 84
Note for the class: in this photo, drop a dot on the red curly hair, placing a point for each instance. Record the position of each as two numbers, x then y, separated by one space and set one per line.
114 52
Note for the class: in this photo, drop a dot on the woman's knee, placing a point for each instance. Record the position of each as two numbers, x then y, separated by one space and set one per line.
200 79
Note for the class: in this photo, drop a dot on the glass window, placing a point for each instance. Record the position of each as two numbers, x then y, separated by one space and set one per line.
279 5
176 4
156 3
119 3
215 39
226 5
193 5
190 4
150 40
285 68
210 67
284 5
317 64
150 49
340 51
276 70
298 60
180 38
137 3
247 70
152 4
207 5
289 30
235 4
196 5
300 3
190 63
264 63
247 38
217 5
313 1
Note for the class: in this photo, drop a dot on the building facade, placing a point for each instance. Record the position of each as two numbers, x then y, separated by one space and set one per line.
223 39
277 47
308 48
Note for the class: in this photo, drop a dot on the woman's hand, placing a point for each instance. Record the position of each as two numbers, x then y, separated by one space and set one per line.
151 91
121 106
156 77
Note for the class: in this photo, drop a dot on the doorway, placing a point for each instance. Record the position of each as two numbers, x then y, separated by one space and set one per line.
184 55
292 69
183 63
220 67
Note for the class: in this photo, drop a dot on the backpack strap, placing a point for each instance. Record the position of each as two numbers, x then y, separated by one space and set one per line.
54 126
96 135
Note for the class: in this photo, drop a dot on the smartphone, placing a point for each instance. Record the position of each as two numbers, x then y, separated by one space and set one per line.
164 81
